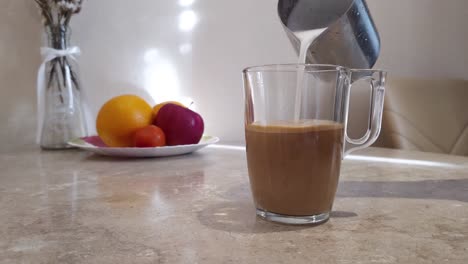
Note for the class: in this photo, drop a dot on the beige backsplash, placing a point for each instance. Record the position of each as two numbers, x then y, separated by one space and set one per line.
162 49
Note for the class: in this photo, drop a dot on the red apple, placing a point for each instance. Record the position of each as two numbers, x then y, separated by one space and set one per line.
181 125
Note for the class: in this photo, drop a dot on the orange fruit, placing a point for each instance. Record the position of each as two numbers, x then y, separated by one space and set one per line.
157 107
149 137
120 117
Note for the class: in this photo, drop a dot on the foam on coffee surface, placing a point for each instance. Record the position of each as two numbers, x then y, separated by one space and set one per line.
292 126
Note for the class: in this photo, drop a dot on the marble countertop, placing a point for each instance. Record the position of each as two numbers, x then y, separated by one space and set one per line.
75 207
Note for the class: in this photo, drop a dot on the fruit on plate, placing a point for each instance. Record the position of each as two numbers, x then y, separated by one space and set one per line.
181 125
120 117
95 141
149 137
158 107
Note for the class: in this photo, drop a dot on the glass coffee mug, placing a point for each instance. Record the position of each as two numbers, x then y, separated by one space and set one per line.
295 125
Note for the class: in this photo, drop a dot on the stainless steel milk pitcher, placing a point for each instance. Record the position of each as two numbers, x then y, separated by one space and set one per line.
347 34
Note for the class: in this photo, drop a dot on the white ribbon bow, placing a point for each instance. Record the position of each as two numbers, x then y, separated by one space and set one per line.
48 54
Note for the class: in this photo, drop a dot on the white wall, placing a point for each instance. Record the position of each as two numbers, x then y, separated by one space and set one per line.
138 47
19 60
423 38
228 36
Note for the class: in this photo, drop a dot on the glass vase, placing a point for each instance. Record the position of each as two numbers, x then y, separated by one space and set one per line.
62 114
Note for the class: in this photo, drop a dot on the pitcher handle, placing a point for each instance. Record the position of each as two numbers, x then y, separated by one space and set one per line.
376 80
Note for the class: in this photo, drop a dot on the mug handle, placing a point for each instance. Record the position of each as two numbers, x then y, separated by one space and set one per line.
376 80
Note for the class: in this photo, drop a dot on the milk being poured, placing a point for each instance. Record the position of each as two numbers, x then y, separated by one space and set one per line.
306 38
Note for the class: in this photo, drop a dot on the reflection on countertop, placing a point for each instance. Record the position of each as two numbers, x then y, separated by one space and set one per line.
72 206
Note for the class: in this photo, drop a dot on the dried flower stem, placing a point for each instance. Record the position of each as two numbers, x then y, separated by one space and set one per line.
56 17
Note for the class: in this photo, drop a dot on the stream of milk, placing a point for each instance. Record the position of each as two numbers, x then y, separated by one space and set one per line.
306 38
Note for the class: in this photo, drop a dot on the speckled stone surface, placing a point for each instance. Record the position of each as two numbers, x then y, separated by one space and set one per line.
75 207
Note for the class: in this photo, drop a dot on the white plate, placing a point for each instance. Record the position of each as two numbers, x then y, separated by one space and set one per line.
144 152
